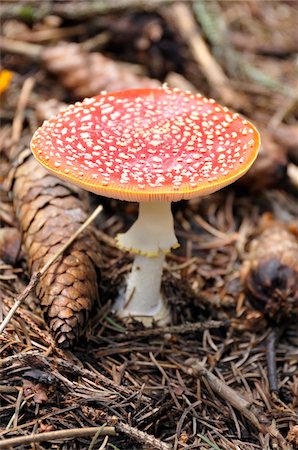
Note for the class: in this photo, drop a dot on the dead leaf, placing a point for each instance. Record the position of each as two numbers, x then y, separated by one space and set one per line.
37 389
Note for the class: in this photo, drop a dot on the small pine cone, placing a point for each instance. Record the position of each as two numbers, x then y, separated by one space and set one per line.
270 272
86 74
49 212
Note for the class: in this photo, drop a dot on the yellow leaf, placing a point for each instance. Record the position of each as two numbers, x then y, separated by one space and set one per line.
5 79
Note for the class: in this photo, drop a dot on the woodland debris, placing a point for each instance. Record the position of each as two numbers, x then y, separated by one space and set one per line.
21 48
250 43
10 244
293 174
82 10
186 25
49 212
86 74
5 79
38 390
104 430
270 276
283 112
6 212
174 329
54 367
271 361
213 22
17 124
141 436
287 136
196 368
293 435
48 108
270 271
57 435
176 80
270 167
14 29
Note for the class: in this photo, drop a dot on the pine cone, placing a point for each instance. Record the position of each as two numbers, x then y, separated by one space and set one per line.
49 212
270 273
86 74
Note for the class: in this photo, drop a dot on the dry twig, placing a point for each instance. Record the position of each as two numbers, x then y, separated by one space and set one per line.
188 29
141 436
57 435
174 329
219 387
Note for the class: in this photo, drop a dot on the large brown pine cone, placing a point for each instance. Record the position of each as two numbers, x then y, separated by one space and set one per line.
49 212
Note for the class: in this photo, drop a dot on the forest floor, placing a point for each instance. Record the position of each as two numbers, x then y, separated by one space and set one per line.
224 374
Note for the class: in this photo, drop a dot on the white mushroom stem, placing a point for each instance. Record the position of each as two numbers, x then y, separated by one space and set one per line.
150 237
152 232
142 299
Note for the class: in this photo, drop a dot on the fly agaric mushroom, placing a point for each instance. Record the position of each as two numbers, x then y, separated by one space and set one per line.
152 146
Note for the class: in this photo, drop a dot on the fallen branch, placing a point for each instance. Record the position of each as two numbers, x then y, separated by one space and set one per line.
60 434
85 432
293 174
174 329
53 363
196 368
187 26
142 436
82 9
82 72
21 48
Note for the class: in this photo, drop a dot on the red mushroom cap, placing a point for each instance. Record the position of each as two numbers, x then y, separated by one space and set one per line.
147 144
